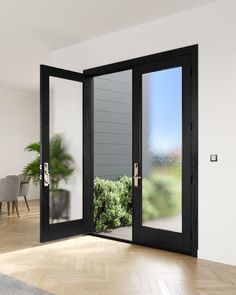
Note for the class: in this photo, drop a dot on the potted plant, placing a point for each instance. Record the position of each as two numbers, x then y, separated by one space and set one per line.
61 169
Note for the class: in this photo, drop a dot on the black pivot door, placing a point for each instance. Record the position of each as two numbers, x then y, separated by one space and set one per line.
165 154
66 155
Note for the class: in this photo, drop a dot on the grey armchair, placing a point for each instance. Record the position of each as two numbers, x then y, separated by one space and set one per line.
24 187
9 190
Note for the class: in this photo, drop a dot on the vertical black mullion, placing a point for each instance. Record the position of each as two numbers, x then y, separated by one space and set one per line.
137 153
194 150
44 151
186 165
88 152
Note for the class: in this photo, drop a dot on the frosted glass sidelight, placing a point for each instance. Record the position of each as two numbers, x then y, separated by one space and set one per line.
66 167
162 149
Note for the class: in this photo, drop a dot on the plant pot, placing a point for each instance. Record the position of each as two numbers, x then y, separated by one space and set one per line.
59 205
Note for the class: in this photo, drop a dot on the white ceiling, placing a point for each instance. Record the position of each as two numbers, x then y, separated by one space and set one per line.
30 29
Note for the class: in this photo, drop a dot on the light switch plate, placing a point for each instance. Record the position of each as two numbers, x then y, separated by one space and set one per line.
213 158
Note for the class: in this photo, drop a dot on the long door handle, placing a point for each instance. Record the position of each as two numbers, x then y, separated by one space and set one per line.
46 174
136 177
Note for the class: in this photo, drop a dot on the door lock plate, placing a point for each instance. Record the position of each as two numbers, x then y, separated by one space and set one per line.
136 177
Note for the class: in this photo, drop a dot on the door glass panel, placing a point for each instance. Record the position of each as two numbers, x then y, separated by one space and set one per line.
65 150
162 149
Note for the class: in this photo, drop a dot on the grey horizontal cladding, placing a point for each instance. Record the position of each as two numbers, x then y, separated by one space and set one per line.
113 170
112 138
119 77
112 97
111 149
108 128
118 160
113 86
100 105
113 125
112 117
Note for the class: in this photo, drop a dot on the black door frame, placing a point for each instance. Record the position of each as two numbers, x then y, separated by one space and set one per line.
163 239
60 230
191 52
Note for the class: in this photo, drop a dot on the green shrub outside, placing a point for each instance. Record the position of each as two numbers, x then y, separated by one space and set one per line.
113 200
161 196
112 203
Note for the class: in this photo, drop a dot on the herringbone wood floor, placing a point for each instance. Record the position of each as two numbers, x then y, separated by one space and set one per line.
19 233
94 266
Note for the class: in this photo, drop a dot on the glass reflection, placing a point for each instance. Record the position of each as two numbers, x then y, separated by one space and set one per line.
65 150
162 149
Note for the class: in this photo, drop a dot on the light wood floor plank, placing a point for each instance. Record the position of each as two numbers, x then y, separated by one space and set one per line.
19 233
89 265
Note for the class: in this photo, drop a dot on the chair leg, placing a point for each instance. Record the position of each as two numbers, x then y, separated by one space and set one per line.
13 207
0 207
16 206
26 202
8 208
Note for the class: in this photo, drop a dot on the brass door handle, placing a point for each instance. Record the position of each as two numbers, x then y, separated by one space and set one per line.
136 177
46 174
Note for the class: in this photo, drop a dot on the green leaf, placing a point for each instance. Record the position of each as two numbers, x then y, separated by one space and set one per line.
61 162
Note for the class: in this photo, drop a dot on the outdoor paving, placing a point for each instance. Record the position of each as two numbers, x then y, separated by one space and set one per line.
173 223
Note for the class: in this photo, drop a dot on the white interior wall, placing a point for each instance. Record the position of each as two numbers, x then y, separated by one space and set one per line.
19 126
213 28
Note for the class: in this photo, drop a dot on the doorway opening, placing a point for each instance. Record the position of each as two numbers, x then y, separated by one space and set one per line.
113 155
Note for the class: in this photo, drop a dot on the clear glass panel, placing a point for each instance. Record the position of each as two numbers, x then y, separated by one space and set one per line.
113 154
162 149
66 148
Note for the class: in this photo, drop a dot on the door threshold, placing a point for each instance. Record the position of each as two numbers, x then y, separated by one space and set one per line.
110 238
141 244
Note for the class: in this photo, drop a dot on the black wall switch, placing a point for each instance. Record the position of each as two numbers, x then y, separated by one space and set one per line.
213 158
